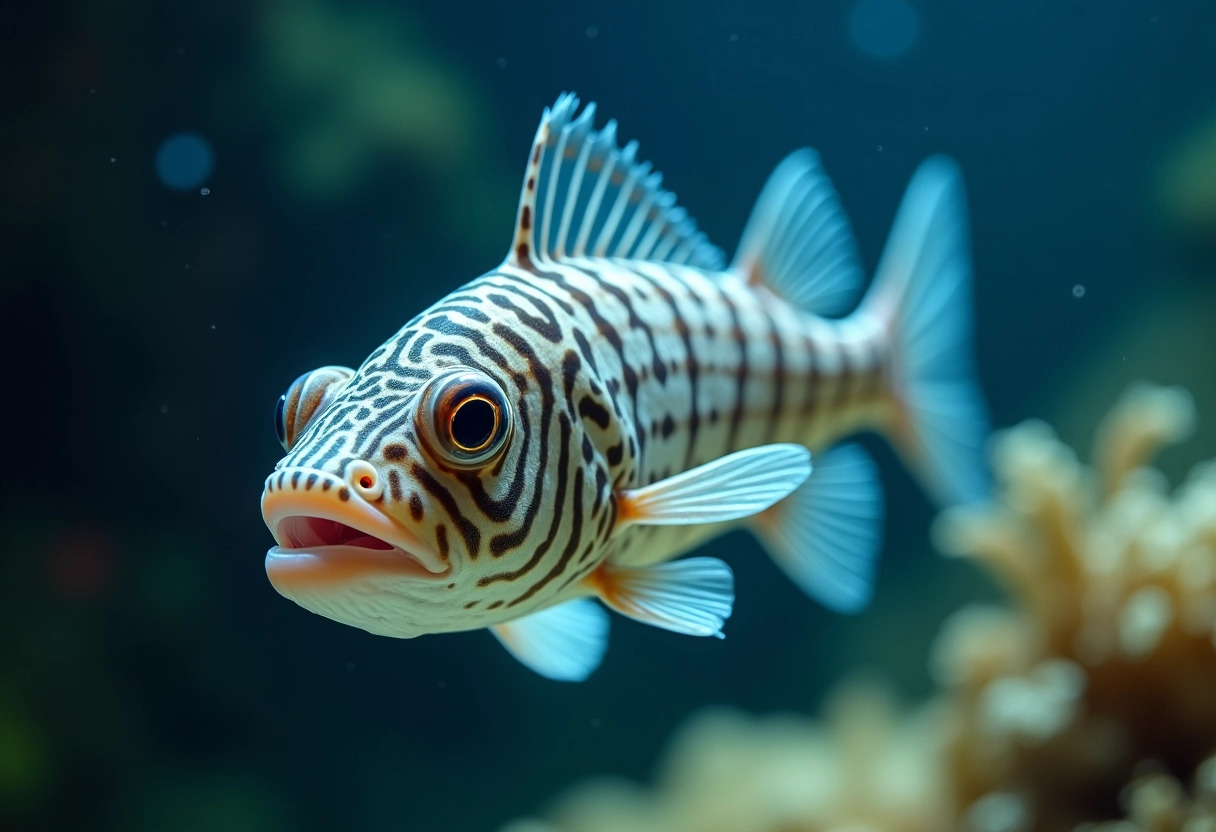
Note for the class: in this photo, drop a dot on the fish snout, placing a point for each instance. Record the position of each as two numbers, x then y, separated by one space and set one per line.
326 523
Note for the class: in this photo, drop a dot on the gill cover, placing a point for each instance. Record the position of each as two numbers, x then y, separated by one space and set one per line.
307 396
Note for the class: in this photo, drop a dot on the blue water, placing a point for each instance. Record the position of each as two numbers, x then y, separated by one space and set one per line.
205 200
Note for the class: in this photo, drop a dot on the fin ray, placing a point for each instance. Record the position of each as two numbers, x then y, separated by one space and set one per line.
729 488
827 535
922 293
798 242
599 196
565 642
693 596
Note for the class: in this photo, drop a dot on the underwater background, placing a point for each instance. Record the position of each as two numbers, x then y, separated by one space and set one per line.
203 200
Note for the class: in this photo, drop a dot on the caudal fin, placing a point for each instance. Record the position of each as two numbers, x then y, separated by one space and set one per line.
922 293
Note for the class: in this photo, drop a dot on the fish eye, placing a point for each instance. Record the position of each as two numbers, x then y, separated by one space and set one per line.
305 399
466 417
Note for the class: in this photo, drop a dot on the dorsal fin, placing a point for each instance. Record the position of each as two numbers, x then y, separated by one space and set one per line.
585 197
798 242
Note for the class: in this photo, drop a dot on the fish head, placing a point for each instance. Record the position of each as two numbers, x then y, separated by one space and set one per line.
428 491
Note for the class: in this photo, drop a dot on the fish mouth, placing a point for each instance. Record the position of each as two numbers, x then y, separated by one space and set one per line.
326 533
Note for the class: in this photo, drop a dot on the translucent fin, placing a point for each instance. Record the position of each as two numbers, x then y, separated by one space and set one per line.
828 533
693 596
565 642
923 294
798 242
583 196
734 486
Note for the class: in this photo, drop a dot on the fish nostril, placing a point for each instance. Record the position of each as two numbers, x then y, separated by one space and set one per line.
364 478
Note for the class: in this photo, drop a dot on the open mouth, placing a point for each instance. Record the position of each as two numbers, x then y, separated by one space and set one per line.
332 534
301 532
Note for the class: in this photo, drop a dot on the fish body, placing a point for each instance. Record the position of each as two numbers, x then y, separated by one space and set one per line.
556 433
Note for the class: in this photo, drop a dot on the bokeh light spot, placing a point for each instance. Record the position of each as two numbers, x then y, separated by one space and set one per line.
883 28
184 161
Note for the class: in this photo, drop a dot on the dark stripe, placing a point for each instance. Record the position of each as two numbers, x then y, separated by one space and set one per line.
813 380
694 368
740 339
585 348
549 328
441 541
609 333
778 385
559 502
502 543
589 408
660 369
576 537
468 531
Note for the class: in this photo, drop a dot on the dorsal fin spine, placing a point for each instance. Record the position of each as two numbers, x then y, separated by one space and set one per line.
521 251
630 237
607 138
558 143
584 196
622 199
576 180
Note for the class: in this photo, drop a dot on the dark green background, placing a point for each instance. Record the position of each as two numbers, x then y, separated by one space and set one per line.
367 157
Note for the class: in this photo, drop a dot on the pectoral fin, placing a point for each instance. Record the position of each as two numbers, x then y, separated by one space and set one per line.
729 488
693 596
565 642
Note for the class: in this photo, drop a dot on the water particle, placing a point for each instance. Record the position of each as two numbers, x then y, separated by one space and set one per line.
596 722
204 191
1078 291
350 666
213 327
441 685
181 51
93 91
880 148
164 223
113 160
502 63
734 37
592 31
926 129
883 29
184 161
164 408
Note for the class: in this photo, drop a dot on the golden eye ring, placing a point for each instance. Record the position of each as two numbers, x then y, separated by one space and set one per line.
466 418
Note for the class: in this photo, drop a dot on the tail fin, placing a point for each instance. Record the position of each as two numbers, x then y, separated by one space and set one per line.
922 293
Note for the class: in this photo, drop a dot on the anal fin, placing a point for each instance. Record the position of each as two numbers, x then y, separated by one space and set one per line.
565 642
827 535
693 596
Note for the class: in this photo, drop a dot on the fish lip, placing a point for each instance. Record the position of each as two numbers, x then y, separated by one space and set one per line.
409 555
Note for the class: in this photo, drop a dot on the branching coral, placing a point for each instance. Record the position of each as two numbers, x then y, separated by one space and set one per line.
1107 658
1091 698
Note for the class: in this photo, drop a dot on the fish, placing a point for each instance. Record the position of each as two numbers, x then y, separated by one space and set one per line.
556 438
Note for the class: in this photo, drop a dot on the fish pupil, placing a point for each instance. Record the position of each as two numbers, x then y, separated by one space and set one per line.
473 424
280 428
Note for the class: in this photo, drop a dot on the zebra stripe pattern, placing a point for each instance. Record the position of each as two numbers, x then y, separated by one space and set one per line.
619 373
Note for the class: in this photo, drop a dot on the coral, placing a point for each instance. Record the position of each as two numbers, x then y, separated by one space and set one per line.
863 768
1088 698
1106 659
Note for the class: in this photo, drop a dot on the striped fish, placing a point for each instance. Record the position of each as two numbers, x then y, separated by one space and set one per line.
547 440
